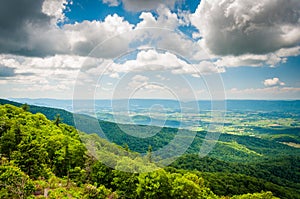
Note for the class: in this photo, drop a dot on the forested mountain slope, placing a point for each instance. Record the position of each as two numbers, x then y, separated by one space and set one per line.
49 155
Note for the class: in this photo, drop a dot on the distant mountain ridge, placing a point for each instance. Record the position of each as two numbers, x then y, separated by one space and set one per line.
231 105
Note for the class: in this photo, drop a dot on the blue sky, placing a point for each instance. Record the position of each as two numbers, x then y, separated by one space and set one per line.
150 49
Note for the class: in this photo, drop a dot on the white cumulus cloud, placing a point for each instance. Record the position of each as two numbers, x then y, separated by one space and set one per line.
273 82
55 8
152 60
240 27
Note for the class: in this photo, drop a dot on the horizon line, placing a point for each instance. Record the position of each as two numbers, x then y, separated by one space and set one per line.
232 99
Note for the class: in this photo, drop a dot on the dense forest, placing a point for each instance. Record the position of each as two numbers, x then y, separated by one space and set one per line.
46 158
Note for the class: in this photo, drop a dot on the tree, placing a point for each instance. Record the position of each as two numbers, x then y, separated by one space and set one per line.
31 156
8 143
57 120
101 174
25 107
154 185
125 183
14 183
190 186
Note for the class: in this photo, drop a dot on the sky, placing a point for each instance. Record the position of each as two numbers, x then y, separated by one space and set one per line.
173 49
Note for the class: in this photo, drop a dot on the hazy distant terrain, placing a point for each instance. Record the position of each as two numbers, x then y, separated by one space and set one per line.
281 119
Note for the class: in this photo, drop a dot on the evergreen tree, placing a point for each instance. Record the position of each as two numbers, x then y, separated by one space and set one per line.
25 107
57 120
